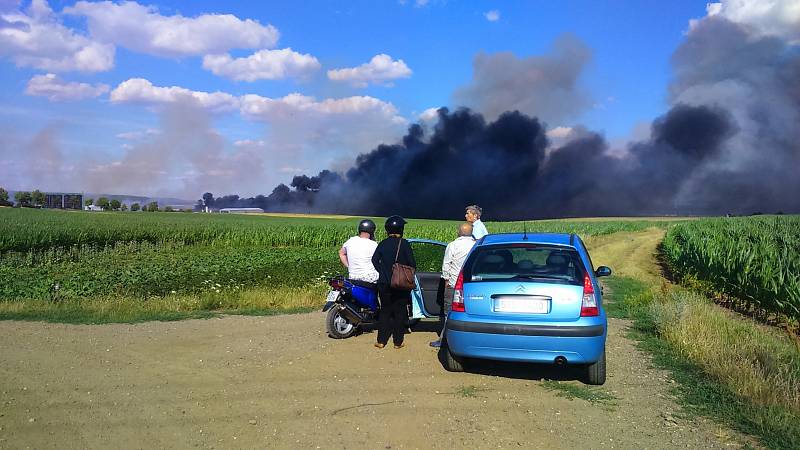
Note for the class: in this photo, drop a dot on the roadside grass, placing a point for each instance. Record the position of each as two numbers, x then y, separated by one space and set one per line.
730 368
624 296
120 309
593 395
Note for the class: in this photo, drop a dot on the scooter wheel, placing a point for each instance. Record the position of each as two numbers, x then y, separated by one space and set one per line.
338 326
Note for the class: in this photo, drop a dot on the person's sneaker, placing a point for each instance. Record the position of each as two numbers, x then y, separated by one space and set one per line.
436 344
379 345
400 346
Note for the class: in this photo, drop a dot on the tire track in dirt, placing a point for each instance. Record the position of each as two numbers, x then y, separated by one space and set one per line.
280 382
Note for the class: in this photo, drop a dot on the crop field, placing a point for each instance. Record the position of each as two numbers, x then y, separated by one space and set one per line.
23 230
754 260
156 254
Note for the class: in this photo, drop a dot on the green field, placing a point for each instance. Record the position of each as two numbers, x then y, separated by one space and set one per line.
142 255
24 230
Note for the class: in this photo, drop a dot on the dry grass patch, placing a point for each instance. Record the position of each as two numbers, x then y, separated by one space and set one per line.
119 309
755 362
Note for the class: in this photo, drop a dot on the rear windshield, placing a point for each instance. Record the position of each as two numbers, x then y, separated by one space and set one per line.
523 262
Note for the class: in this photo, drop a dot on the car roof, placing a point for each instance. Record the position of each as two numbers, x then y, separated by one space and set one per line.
532 238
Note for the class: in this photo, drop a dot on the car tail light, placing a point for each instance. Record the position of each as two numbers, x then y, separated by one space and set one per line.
458 294
589 304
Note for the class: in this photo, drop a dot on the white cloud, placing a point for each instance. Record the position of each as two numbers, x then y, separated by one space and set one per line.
558 136
249 143
36 38
56 89
430 115
559 132
325 133
769 17
297 124
185 156
562 135
137 135
492 16
256 106
300 131
381 69
139 90
262 65
143 29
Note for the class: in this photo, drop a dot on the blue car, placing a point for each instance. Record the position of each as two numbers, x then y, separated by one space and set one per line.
529 298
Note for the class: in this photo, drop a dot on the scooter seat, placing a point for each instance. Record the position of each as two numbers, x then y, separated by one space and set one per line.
364 284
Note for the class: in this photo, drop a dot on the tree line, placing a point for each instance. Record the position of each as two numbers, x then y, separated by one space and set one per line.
25 199
37 199
115 205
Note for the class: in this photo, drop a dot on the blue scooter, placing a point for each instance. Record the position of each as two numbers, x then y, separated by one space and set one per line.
351 305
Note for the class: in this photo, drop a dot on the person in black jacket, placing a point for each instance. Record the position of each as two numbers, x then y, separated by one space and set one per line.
394 313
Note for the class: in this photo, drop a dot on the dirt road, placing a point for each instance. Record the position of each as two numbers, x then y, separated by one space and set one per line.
254 382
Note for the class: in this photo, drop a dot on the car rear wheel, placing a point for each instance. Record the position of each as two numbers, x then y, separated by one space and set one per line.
596 373
452 362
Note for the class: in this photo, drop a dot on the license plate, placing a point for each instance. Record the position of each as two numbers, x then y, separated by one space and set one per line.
519 305
332 296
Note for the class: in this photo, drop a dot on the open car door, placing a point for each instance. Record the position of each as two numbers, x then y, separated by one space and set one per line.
426 298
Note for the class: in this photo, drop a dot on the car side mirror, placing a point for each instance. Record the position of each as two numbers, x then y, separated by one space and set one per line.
602 271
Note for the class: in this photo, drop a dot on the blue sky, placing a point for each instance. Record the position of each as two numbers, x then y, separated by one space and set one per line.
626 80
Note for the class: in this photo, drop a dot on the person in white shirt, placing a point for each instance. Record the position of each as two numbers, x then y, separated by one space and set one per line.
454 256
356 254
473 216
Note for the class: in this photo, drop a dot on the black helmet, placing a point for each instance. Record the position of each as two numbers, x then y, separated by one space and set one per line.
395 225
367 226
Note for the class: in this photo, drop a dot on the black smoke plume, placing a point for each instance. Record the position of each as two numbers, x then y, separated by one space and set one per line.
505 167
730 143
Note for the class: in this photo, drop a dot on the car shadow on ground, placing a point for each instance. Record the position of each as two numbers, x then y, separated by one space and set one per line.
518 370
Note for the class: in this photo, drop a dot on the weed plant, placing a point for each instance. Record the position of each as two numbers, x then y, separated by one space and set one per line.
591 394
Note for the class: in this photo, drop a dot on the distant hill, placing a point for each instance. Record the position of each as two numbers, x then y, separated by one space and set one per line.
143 200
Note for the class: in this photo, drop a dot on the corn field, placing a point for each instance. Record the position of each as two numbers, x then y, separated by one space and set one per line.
23 230
755 260
156 254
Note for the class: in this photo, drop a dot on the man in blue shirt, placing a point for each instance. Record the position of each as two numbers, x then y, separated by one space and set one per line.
473 216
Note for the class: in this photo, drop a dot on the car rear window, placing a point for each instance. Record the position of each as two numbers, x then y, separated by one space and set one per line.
524 261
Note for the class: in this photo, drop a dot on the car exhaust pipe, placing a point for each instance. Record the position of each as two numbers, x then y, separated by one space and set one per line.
560 361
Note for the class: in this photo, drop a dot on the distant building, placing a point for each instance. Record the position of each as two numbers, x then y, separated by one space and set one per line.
241 210
92 208
62 200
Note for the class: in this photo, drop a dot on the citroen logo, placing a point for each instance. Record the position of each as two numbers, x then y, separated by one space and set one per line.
520 288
